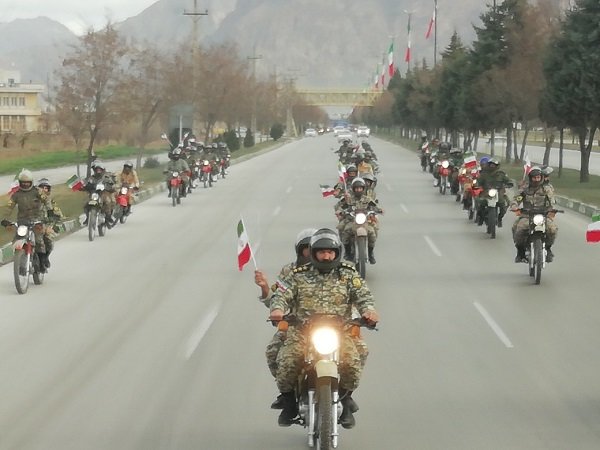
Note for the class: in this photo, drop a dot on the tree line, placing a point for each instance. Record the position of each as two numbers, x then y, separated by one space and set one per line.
531 64
108 85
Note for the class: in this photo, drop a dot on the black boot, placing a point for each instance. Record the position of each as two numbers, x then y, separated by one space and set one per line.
42 262
289 410
520 254
47 259
348 252
371 251
278 403
549 254
349 408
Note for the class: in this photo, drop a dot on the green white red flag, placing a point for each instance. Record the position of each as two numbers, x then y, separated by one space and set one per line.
391 60
326 190
342 172
470 161
75 183
14 186
243 247
592 235
431 23
408 55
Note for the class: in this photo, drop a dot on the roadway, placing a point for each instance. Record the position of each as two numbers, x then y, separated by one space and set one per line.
150 338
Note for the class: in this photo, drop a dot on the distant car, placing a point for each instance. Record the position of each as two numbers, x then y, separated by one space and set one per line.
337 129
310 132
344 135
363 131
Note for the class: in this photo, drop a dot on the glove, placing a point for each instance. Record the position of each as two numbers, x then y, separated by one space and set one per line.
56 229
5 223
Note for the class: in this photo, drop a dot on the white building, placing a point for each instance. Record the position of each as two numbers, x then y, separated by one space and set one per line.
20 105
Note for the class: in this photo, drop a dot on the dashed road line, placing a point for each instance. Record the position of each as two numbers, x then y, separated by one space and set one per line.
493 325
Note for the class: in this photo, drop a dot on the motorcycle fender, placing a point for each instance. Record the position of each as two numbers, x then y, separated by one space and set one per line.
174 182
361 231
326 369
19 244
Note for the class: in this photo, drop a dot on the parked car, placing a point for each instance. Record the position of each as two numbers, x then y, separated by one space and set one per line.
310 132
337 129
344 134
363 131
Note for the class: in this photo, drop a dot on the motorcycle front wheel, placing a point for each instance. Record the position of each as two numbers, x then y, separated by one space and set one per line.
324 415
538 258
491 222
21 270
361 256
92 219
38 277
174 195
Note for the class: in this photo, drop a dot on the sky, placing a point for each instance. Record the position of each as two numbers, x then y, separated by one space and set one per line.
78 15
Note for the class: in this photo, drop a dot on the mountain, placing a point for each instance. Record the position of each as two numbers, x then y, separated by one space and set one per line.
333 43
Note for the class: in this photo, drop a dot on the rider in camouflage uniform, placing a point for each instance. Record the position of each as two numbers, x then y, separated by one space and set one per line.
32 204
54 215
539 196
325 285
493 177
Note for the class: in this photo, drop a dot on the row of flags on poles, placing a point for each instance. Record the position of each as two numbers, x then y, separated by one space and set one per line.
389 66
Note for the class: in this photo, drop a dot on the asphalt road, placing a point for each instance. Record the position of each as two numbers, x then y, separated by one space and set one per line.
150 338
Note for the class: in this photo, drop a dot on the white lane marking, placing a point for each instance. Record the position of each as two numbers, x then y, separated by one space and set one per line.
277 211
493 325
404 208
289 189
433 247
194 340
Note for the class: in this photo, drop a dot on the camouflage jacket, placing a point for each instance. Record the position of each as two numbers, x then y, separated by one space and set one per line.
131 179
306 291
31 205
364 202
178 165
541 196
284 272
491 179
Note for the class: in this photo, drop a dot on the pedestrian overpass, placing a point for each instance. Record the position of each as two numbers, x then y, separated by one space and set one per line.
339 97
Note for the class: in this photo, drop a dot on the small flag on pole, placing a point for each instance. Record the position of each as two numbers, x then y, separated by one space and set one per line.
14 186
470 161
407 56
391 60
75 183
526 166
592 234
243 246
342 172
431 23
326 190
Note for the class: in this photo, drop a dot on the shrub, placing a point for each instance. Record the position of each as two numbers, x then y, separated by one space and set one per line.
249 138
276 131
231 139
151 163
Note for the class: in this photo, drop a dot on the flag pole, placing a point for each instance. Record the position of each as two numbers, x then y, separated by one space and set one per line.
251 251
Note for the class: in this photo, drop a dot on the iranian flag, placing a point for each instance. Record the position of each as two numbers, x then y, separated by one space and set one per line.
407 56
391 60
243 247
431 23
470 161
593 231
326 190
75 183
342 172
526 166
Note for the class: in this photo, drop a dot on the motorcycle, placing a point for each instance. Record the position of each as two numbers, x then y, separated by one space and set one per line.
123 205
26 261
224 165
96 218
206 176
444 172
196 174
361 220
471 192
535 251
316 392
491 197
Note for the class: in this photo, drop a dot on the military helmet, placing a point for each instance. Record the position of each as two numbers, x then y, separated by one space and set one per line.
370 177
535 171
494 161
351 168
325 239
358 182
128 164
547 170
445 146
44 182
484 160
25 179
303 240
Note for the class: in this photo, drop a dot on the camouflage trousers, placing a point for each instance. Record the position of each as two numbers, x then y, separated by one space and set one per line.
279 338
347 234
49 237
520 230
291 358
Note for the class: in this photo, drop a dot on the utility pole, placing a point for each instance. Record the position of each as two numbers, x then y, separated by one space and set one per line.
195 15
253 58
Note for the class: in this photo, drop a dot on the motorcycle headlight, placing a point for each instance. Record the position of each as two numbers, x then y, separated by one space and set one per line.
492 192
95 196
445 164
538 219
22 230
100 187
175 174
123 190
360 218
325 340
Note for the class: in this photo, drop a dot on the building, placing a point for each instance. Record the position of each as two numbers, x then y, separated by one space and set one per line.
20 103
